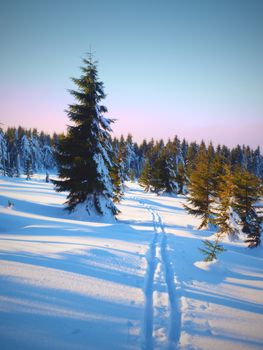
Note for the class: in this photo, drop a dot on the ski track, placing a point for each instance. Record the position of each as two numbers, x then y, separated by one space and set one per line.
158 254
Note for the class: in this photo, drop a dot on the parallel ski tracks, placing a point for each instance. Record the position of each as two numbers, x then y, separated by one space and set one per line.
158 254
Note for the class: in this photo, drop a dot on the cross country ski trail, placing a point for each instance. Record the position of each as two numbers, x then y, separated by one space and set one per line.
162 319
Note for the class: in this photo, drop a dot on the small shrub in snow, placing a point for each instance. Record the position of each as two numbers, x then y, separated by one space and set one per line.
212 248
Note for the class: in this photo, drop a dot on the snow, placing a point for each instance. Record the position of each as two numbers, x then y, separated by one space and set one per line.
70 282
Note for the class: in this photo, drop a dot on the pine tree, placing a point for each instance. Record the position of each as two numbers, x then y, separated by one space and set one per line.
14 151
191 156
83 155
212 249
200 191
116 177
125 161
164 173
129 157
257 163
181 179
224 214
217 171
247 193
3 154
25 151
48 155
253 230
145 178
28 169
36 151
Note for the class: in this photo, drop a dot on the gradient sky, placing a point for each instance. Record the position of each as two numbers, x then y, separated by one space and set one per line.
192 67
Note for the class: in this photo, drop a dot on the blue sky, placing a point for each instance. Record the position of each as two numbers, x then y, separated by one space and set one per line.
192 68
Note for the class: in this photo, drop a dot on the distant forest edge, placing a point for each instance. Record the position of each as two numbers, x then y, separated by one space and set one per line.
20 146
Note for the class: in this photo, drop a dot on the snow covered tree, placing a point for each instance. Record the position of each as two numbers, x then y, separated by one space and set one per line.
28 169
181 179
254 230
164 173
246 194
129 160
48 156
3 154
116 177
25 152
83 154
36 151
257 163
13 146
130 157
200 191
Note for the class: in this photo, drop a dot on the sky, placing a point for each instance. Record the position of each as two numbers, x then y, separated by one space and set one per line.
191 68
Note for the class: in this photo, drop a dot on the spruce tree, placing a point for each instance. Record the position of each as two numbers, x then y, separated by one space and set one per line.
28 169
200 191
3 154
116 177
164 173
145 178
212 249
247 193
224 214
129 157
254 230
181 178
191 157
217 171
83 155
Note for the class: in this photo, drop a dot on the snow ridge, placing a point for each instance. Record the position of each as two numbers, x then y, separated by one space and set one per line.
167 330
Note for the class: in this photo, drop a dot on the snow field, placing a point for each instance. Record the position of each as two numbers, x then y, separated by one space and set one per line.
76 282
66 283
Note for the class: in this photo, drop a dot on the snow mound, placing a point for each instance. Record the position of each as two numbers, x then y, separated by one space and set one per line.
206 265
86 211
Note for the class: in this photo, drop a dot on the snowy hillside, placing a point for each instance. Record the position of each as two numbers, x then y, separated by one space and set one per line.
136 283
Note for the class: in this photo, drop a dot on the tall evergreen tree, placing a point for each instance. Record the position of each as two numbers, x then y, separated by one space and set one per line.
247 193
3 154
83 155
181 179
191 155
28 169
116 177
164 173
225 217
217 171
145 178
200 191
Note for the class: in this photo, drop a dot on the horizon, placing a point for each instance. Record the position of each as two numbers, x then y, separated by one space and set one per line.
172 69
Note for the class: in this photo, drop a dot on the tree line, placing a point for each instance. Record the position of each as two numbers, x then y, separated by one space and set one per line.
25 151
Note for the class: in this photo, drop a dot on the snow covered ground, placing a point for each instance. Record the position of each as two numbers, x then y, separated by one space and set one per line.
67 283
